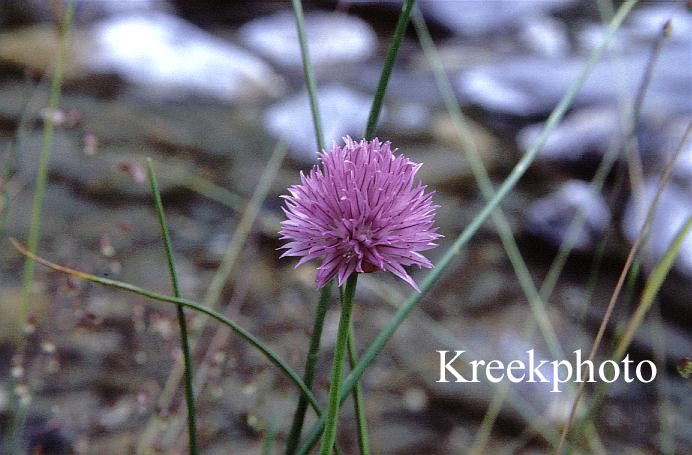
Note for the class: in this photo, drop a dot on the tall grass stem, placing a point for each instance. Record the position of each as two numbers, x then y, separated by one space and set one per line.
182 324
44 158
217 284
308 72
389 60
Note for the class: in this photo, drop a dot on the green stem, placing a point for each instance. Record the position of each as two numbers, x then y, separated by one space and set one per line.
269 439
332 416
389 60
44 157
184 340
309 74
466 235
309 375
358 400
5 193
244 334
250 211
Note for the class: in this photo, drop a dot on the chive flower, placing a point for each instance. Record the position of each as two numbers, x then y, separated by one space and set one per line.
360 212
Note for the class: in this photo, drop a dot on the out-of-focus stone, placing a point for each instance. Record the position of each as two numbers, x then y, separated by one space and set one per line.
169 58
471 18
333 38
545 36
581 137
343 111
410 119
115 173
159 55
36 46
487 145
210 130
551 216
511 86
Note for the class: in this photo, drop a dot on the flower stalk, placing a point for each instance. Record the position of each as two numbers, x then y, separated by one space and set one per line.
358 399
332 416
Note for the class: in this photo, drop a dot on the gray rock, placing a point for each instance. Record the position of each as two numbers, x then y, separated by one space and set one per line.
343 111
472 18
408 118
410 84
584 135
551 216
166 57
333 38
511 86
114 173
674 208
212 130
441 165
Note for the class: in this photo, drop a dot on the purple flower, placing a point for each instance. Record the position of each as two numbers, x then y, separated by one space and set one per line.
360 212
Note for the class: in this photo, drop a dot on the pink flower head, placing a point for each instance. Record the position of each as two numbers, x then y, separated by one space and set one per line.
360 212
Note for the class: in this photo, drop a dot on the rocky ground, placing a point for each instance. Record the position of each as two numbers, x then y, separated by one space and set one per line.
208 101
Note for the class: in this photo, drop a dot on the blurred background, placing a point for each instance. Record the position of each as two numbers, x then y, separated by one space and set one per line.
208 89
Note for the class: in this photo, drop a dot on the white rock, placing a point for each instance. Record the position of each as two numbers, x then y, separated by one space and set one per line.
475 18
545 36
585 134
531 86
168 57
333 38
342 110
